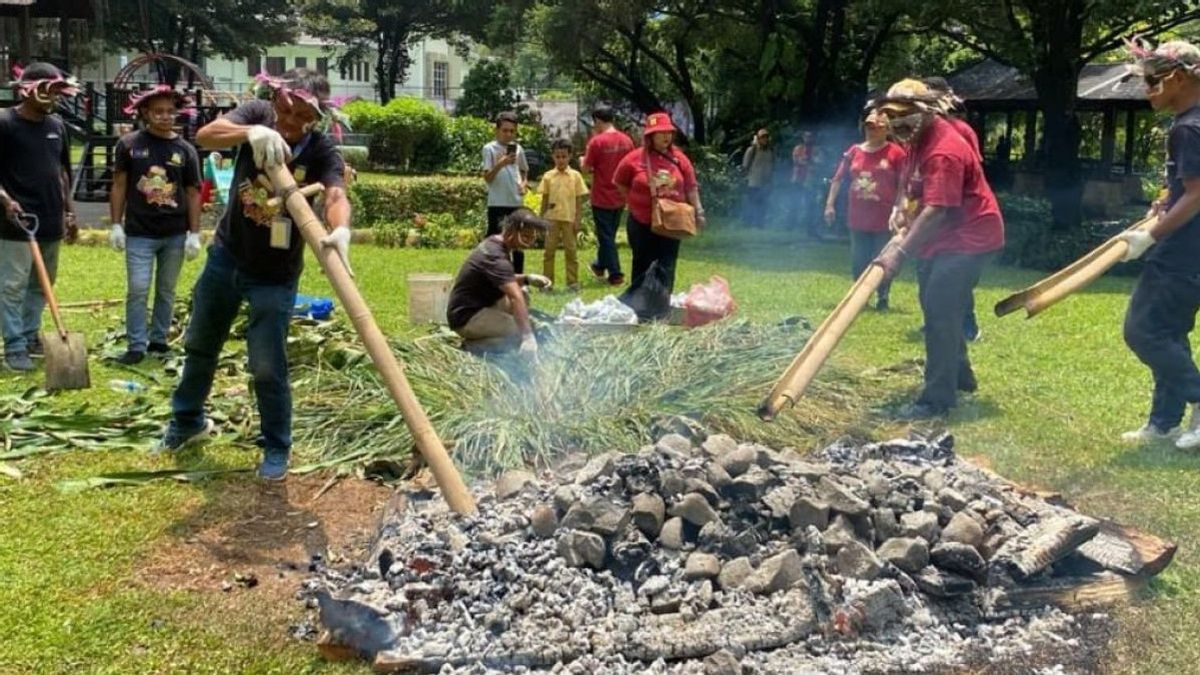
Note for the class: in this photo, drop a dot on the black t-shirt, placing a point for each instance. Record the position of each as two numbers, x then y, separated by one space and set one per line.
33 156
158 172
245 228
1181 250
479 281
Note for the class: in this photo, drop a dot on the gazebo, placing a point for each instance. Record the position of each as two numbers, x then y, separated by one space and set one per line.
17 21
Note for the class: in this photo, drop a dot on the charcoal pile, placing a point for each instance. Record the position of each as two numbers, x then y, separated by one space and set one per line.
724 557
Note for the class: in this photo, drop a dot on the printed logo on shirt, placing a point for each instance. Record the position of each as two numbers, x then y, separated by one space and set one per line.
140 153
253 196
53 136
176 159
298 173
866 187
157 189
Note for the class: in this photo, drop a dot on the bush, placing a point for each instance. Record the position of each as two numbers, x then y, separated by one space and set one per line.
397 198
355 155
407 133
1030 243
466 137
719 180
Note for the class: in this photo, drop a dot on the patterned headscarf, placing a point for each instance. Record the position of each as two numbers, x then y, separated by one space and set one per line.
37 80
138 99
1160 60
329 119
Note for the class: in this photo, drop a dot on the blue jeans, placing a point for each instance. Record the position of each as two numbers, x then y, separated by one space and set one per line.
865 247
21 298
216 300
1161 314
141 253
607 222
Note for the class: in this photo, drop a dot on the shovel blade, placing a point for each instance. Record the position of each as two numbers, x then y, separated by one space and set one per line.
66 362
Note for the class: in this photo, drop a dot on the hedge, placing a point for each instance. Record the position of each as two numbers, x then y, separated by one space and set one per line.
396 198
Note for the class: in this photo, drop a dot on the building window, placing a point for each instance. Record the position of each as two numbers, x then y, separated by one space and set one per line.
343 71
323 65
253 65
366 72
441 79
301 61
276 65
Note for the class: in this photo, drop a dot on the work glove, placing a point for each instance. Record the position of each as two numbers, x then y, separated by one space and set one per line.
529 346
538 281
1139 242
896 221
891 259
70 228
269 147
339 239
191 245
116 237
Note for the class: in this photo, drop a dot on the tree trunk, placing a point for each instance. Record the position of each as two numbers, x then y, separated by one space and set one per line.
1058 32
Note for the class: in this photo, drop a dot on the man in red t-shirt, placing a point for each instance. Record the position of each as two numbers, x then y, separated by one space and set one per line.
604 151
956 231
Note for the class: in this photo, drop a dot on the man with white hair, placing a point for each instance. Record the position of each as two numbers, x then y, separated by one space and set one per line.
1162 309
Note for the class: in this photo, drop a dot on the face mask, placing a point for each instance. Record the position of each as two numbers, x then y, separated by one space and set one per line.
905 127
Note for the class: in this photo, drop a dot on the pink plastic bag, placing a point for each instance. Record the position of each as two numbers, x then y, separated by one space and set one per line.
708 302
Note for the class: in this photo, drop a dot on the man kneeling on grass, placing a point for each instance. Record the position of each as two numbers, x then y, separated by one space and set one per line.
487 305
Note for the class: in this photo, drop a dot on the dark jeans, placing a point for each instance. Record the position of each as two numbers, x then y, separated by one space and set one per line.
864 247
648 248
495 214
947 281
755 205
607 222
216 300
1162 311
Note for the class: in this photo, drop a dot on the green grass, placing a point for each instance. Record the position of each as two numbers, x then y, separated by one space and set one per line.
1055 394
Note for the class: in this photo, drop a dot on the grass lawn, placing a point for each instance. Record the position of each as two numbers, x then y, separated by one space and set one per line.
77 571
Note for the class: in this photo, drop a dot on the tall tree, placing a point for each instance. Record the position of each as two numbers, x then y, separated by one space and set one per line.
1050 41
389 29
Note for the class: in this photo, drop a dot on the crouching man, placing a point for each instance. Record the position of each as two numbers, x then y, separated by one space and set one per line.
487 305
257 254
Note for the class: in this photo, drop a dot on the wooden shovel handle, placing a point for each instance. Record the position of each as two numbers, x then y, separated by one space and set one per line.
47 287
309 191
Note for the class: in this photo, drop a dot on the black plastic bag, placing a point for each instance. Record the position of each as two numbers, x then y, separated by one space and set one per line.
650 296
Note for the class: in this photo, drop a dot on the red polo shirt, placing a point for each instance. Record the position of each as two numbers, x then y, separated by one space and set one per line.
604 152
949 175
874 184
967 131
673 178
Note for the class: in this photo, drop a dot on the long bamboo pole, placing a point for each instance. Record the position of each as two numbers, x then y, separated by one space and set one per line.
791 385
454 490
1047 292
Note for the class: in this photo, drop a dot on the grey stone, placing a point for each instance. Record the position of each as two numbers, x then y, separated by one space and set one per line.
921 524
694 508
722 663
674 444
666 603
963 529
935 479
879 604
543 521
886 524
565 497
737 461
777 573
779 500
858 561
807 511
647 513
878 487
718 477
671 535
813 473
941 584
654 585
713 535
840 499
510 483
596 514
910 554
597 467
839 533
959 558
750 485
673 482
952 498
717 445
744 542
701 566
704 489
734 573
578 549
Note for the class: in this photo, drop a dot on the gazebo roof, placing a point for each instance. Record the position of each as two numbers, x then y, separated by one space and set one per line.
1099 84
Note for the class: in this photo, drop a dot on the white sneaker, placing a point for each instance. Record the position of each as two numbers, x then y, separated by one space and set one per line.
1150 433
1191 438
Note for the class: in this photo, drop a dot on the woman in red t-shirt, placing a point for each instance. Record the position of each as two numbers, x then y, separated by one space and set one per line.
674 178
874 168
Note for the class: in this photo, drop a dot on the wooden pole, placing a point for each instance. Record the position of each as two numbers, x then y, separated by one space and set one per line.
791 385
454 490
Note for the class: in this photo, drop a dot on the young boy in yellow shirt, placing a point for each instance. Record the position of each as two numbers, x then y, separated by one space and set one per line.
562 190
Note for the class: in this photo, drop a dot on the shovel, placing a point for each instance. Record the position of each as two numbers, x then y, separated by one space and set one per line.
66 353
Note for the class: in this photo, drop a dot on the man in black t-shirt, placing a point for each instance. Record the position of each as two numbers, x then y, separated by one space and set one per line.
155 209
487 306
256 256
35 180
1162 309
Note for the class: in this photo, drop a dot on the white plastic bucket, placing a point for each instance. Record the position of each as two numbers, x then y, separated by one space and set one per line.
427 297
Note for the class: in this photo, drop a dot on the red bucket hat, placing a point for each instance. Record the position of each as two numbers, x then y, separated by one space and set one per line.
657 122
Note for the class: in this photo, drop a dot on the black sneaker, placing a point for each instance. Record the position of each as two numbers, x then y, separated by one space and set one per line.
35 348
158 348
881 305
597 271
19 361
131 357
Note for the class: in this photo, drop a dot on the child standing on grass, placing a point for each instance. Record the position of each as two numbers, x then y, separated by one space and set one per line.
562 190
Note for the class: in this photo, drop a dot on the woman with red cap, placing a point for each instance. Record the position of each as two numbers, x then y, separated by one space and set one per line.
674 178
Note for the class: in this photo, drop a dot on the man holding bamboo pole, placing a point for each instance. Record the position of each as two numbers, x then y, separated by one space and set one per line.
956 231
1162 309
257 254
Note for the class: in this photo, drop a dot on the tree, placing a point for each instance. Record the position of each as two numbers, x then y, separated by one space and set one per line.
1050 41
389 28
487 91
185 28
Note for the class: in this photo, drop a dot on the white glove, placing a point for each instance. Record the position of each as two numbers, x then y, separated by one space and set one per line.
191 245
1139 242
538 281
116 237
529 346
269 147
339 239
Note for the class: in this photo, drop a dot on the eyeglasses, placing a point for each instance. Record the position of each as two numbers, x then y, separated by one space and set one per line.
1155 80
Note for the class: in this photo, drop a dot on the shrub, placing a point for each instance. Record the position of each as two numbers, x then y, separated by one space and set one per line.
466 137
355 155
407 133
719 180
1031 243
397 198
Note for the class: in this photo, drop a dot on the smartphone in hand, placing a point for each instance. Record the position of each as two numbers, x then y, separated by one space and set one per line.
511 149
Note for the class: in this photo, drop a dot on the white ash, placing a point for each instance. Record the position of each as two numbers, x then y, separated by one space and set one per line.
592 588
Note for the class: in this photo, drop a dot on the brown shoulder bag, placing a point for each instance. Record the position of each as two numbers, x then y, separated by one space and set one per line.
668 218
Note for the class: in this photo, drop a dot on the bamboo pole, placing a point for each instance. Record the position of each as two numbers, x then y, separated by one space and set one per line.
1047 292
454 490
791 385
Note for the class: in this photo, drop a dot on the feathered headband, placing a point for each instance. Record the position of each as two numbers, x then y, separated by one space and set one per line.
330 120
1168 56
39 88
182 101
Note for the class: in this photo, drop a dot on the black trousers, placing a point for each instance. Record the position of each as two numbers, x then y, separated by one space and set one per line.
647 248
495 214
947 282
865 247
1161 314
